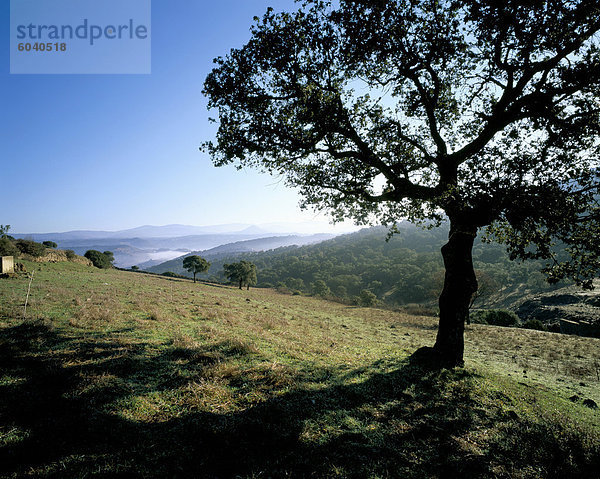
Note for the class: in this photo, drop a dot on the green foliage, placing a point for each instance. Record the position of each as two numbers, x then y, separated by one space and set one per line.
70 254
50 244
406 269
7 247
495 317
482 113
534 324
100 260
242 273
135 268
385 91
320 288
367 298
195 264
30 247
4 229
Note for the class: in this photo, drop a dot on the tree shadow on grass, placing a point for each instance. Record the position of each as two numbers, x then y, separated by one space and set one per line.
410 422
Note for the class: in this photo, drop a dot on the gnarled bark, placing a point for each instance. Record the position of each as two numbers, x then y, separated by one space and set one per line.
459 285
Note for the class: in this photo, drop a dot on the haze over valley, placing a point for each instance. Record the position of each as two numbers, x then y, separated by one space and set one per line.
146 246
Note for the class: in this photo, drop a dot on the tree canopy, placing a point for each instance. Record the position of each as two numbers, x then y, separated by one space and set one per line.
485 113
195 264
242 273
7 246
99 259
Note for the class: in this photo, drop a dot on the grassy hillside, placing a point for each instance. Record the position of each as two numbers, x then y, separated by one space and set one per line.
117 374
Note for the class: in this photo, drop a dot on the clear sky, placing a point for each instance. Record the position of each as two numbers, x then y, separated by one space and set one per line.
112 152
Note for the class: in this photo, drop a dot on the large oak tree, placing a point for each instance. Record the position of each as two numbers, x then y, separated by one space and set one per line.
482 113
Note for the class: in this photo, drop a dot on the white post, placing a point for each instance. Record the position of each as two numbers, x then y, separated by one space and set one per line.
27 298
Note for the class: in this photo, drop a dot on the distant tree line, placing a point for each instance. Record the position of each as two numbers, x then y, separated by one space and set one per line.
364 269
10 246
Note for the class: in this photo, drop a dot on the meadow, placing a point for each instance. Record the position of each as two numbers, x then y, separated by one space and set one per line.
120 374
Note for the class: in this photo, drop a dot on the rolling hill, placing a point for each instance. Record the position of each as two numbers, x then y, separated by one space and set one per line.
406 269
238 247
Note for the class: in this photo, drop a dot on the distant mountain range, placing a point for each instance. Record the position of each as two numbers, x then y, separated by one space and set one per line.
150 245
177 230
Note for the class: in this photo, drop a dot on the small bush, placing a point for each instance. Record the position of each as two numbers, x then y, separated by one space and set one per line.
367 298
70 254
495 317
8 248
534 324
50 244
282 288
415 309
553 327
100 260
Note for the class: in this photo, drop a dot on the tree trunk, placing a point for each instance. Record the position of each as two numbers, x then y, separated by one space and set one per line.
240 284
194 277
459 285
248 287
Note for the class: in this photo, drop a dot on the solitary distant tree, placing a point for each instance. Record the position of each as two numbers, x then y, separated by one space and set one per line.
481 113
50 244
195 264
242 273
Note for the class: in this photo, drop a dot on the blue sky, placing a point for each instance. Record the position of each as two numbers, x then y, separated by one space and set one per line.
117 151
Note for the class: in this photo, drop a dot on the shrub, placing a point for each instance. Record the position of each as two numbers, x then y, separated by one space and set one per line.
496 317
50 244
7 247
30 247
100 260
320 288
367 298
170 274
415 309
282 288
554 327
534 324
70 254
